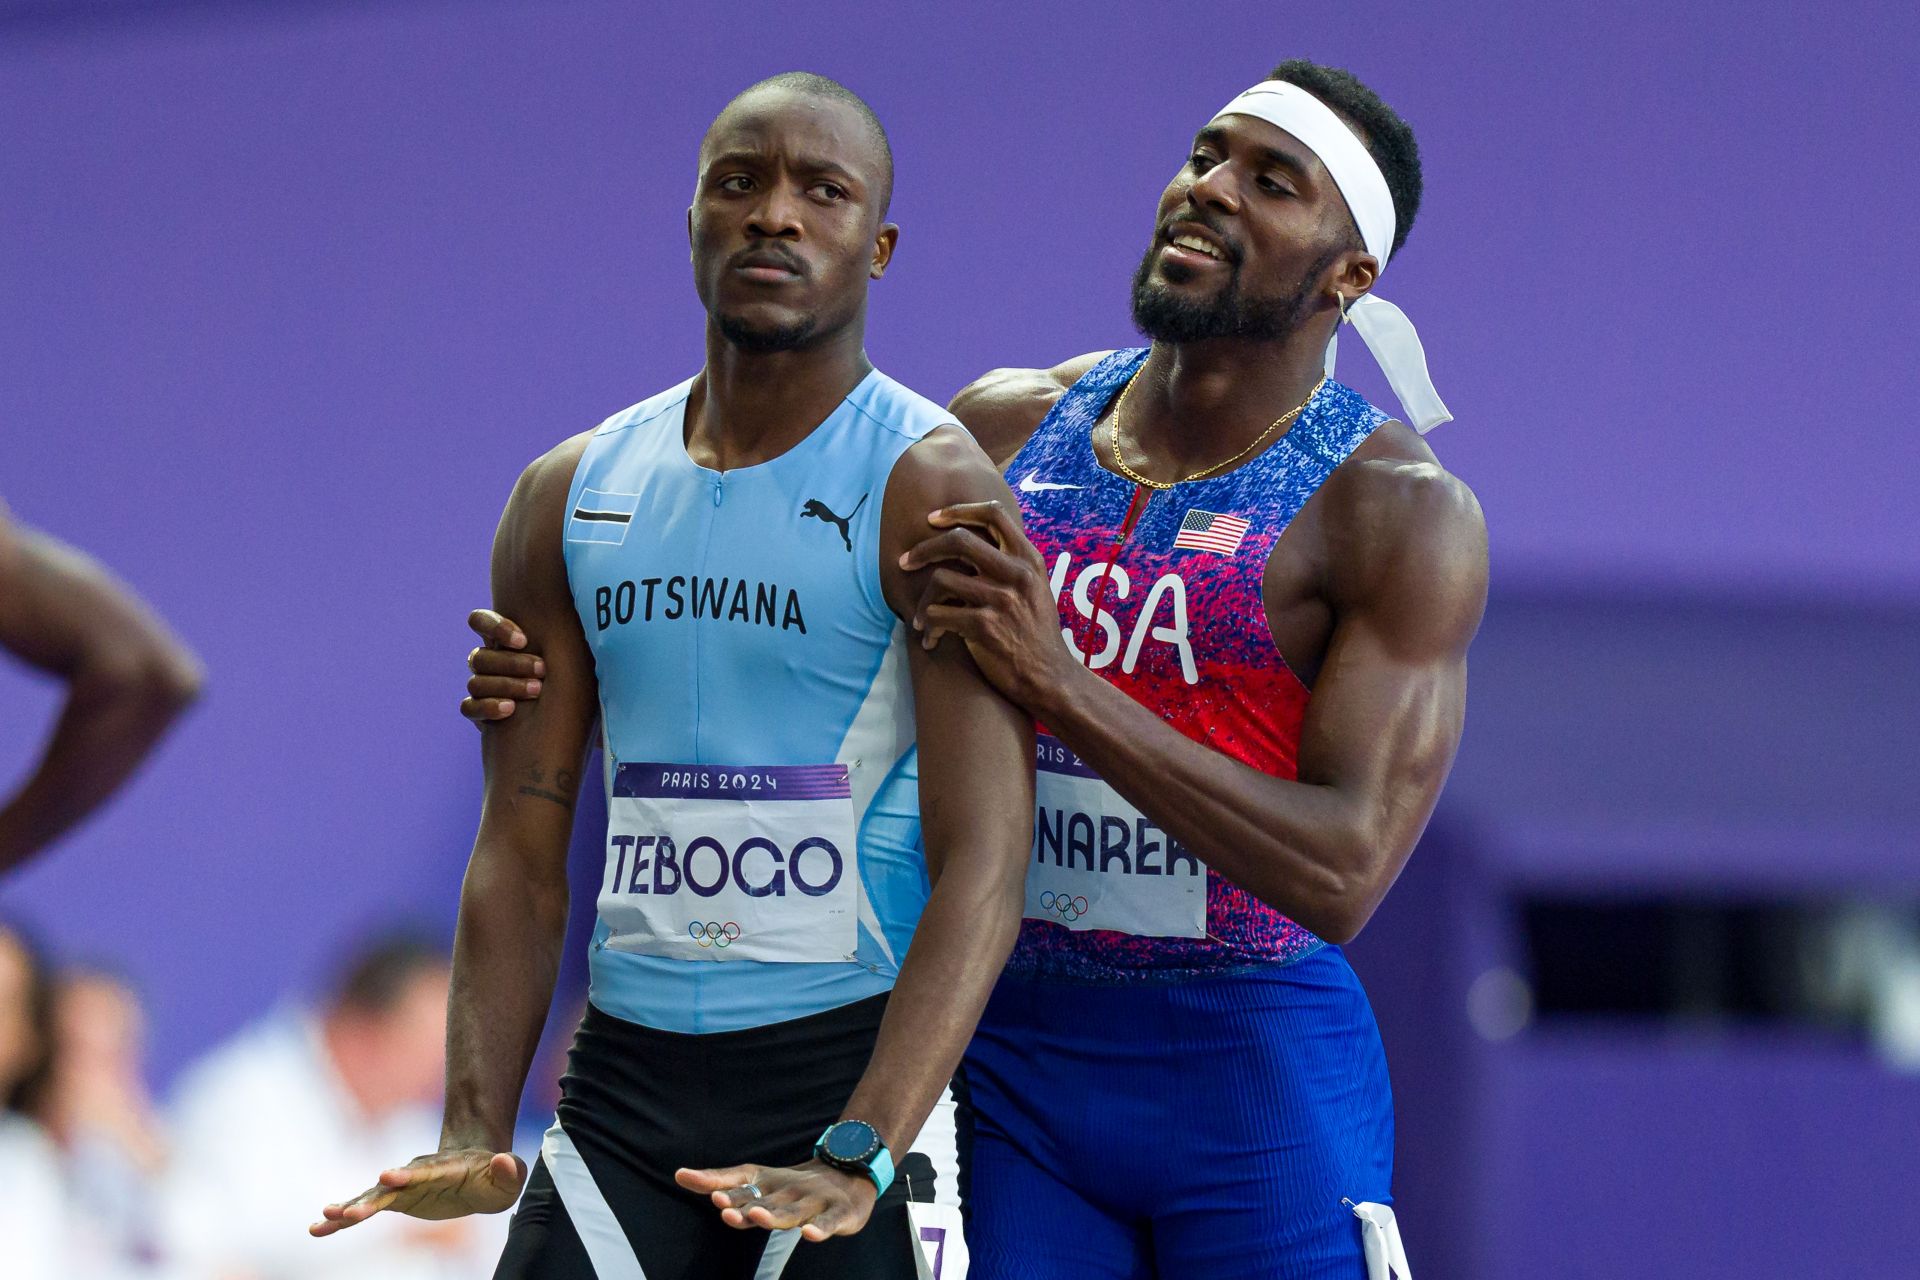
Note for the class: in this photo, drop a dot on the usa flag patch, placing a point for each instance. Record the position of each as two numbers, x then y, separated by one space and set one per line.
1210 531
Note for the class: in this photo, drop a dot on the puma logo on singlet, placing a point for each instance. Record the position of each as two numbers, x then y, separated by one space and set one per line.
819 511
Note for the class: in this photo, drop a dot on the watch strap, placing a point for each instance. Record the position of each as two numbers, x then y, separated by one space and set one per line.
880 1169
878 1166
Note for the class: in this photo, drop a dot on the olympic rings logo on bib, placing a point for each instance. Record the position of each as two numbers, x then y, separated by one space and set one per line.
1066 906
713 934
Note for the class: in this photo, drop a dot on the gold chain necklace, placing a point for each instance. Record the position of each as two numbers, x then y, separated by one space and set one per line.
1120 459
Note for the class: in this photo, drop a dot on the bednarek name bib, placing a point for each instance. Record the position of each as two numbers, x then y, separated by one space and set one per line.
706 862
1099 863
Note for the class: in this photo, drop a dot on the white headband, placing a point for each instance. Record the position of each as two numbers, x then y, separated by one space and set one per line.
1382 326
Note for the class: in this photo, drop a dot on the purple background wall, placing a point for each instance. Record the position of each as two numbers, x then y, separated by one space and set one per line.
289 292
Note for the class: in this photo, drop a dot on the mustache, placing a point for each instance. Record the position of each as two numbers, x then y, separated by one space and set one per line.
769 255
1194 216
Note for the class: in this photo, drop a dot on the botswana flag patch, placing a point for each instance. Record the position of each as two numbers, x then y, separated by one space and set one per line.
602 517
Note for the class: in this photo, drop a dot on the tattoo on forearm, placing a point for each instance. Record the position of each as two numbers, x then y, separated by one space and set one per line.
534 783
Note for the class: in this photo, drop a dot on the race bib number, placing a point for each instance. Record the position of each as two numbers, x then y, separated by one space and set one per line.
942 1239
712 863
1099 863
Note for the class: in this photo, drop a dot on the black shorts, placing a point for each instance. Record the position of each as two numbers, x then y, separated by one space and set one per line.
636 1104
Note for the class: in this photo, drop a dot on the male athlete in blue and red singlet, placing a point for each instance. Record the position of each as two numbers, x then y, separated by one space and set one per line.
1267 588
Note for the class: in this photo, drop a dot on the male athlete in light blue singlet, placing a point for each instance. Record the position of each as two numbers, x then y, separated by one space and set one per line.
804 905
1267 588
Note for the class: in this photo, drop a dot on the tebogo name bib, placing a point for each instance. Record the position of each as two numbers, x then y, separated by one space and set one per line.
1099 863
710 862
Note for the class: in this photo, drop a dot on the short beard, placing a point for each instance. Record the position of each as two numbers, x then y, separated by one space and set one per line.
760 342
1166 317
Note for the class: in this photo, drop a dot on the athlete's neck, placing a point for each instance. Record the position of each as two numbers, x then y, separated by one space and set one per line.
747 407
1194 404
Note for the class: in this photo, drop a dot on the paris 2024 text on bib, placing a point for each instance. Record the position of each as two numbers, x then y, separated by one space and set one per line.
710 862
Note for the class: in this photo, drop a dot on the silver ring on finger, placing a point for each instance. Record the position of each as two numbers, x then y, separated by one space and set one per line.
753 1190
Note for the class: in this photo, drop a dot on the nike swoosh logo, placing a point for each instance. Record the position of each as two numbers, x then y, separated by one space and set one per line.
1029 485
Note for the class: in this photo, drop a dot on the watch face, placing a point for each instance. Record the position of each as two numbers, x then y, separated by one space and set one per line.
853 1140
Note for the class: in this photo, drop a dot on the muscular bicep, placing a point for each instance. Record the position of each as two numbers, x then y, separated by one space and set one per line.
1002 407
1389 704
1383 727
533 760
976 765
28 591
61 610
976 748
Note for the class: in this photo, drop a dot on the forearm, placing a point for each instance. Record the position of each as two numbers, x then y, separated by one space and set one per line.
513 905
959 948
506 955
1304 849
114 714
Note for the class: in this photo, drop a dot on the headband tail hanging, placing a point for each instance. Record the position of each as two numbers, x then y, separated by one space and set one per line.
1385 329
1390 336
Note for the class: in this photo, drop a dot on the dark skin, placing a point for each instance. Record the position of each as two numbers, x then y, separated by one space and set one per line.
785 231
1373 594
128 680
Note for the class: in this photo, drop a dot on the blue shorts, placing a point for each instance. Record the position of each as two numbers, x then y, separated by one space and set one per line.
1209 1127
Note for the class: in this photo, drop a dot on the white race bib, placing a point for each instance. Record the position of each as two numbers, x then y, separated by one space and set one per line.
1380 1241
1099 863
942 1239
706 862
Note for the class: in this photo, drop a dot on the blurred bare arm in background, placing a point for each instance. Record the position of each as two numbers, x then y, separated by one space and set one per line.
128 679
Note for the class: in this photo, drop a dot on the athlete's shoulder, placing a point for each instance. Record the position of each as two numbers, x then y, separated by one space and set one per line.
529 555
557 465
897 408
945 468
948 461
1003 407
649 410
554 469
538 504
1395 474
1405 528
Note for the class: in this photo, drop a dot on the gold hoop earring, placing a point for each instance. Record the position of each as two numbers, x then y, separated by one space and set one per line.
1340 301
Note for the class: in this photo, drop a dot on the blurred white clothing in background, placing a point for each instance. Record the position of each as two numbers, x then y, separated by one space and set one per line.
265 1132
34 1229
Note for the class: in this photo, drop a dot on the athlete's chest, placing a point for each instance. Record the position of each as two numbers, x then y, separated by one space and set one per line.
748 566
1231 572
1160 585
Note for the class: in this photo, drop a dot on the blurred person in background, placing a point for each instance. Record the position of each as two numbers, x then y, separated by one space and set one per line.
34 1231
101 1117
128 679
303 1101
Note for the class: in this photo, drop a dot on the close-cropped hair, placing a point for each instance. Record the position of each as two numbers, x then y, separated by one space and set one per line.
1389 139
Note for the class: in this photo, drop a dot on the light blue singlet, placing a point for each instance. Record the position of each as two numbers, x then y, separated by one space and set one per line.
764 859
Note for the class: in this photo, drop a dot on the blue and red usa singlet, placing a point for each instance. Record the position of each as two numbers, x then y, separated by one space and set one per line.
1159 592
